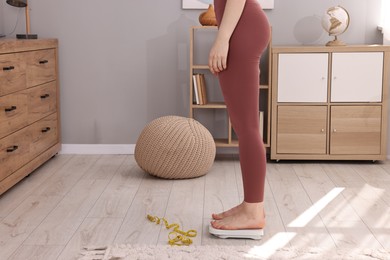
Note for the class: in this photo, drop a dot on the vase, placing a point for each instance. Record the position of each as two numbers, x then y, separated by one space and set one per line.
207 18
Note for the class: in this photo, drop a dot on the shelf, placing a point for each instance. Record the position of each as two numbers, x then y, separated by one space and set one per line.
206 67
233 143
210 105
200 67
225 143
204 27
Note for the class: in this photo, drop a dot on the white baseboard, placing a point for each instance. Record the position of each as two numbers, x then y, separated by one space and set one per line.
114 149
97 149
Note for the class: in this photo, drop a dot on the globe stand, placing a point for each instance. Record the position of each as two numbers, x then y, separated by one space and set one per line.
335 42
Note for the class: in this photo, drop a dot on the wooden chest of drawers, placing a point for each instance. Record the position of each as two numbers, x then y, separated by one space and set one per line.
29 107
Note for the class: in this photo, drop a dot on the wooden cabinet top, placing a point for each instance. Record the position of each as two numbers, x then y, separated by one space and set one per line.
14 45
321 48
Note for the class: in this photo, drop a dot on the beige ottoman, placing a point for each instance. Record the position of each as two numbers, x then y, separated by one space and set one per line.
174 147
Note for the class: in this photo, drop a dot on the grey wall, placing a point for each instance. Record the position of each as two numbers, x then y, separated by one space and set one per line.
299 21
124 63
1 19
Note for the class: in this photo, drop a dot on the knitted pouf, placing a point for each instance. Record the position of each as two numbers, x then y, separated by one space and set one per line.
174 147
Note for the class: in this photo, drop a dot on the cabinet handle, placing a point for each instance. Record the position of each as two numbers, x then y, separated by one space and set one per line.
322 130
334 130
8 68
45 96
46 129
9 109
12 148
43 61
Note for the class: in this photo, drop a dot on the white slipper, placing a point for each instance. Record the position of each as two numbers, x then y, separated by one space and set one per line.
255 234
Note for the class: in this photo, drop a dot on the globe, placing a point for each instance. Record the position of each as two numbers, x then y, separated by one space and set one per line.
335 21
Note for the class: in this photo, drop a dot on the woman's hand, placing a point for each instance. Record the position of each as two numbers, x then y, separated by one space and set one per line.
218 56
219 51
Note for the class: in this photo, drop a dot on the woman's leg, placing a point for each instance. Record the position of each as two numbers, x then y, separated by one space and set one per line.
240 87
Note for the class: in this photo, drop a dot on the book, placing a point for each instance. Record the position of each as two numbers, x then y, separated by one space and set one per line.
195 85
200 92
261 120
199 87
203 88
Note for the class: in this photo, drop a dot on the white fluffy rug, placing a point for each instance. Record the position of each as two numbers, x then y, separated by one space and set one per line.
144 252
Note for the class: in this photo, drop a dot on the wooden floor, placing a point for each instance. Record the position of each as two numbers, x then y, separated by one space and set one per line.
78 200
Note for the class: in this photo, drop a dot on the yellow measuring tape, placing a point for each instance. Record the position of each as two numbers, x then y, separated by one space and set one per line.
176 237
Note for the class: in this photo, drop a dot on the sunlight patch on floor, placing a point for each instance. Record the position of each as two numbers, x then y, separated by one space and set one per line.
369 205
270 247
282 239
303 219
370 193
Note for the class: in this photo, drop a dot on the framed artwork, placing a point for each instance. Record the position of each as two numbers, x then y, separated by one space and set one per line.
203 4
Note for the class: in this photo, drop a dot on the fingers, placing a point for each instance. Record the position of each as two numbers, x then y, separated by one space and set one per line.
218 56
217 64
212 67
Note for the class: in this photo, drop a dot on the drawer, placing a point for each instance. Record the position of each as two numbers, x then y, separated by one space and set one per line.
41 101
12 73
14 152
44 134
41 67
13 113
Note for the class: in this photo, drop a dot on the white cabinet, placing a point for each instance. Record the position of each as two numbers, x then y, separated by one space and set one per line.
330 102
357 77
302 77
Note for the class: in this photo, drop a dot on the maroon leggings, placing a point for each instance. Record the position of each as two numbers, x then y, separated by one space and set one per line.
240 88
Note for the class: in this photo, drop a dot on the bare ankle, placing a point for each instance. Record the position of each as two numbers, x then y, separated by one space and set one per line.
254 208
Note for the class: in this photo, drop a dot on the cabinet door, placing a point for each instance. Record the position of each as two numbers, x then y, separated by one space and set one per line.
355 130
301 129
357 77
302 77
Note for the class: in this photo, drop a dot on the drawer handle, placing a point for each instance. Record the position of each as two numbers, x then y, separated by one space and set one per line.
8 68
45 130
45 96
9 109
12 148
43 61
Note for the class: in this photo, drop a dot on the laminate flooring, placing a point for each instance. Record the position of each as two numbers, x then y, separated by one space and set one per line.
78 200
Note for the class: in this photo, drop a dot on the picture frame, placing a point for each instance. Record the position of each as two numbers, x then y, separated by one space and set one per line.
198 4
